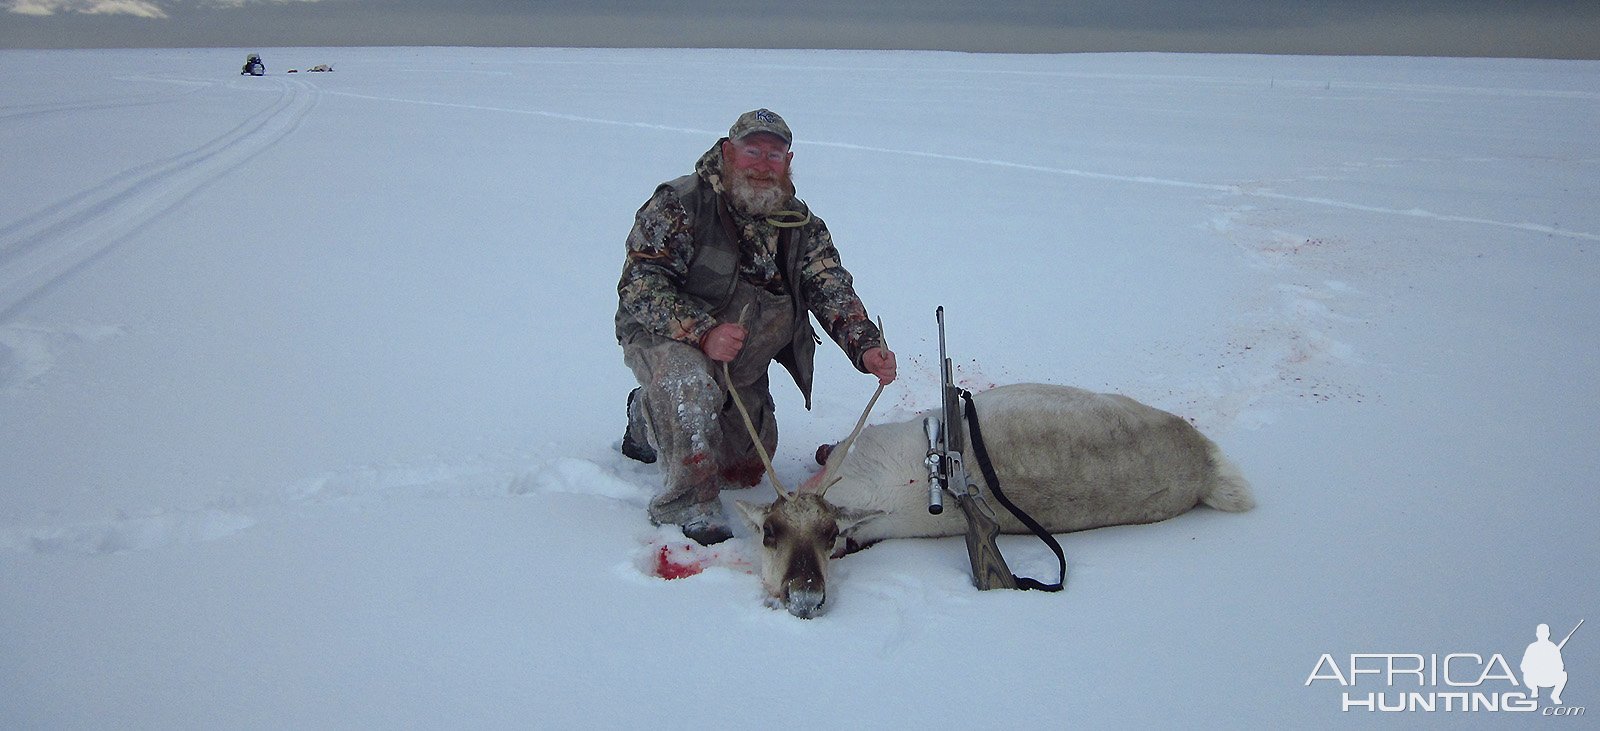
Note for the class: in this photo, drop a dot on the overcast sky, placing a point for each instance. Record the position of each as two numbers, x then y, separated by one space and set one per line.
1536 28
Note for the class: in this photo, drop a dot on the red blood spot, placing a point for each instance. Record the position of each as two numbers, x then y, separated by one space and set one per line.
668 566
695 458
746 474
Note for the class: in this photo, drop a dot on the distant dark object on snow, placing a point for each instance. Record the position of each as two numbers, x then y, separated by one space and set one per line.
314 69
253 66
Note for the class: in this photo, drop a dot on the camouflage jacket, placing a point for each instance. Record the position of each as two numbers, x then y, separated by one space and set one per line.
664 257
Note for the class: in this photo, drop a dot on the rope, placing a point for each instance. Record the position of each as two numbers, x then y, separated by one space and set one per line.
789 219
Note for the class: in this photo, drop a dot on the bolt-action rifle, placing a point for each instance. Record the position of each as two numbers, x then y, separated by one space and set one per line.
947 473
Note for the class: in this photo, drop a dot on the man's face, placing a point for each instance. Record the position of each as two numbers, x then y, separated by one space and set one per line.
756 173
761 160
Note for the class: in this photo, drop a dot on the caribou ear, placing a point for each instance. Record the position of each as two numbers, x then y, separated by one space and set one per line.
754 515
852 518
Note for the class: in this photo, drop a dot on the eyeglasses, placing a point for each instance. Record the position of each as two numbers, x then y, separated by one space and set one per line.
752 154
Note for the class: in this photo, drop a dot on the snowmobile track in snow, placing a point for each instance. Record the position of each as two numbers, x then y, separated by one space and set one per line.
41 249
30 111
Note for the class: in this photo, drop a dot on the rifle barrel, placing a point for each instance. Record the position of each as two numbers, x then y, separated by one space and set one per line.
1569 635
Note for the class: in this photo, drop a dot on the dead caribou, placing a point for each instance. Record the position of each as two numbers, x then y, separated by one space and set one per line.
1072 459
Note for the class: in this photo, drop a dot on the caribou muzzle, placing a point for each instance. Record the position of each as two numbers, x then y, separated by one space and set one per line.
805 587
805 598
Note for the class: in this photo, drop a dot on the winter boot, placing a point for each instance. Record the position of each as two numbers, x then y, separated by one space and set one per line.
634 445
709 527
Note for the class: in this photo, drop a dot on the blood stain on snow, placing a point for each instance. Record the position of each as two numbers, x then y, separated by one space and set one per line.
677 564
680 560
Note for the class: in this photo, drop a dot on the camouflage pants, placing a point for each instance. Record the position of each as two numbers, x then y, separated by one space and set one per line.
701 441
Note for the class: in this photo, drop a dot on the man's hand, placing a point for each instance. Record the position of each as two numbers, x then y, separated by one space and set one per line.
880 363
723 342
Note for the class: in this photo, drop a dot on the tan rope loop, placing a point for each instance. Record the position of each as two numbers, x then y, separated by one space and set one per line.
789 219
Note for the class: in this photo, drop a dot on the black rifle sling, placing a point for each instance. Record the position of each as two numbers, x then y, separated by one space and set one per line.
982 453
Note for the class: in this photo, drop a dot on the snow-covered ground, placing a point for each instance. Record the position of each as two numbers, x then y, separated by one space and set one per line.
309 400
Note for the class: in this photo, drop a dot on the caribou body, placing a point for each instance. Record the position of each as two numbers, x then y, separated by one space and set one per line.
1072 459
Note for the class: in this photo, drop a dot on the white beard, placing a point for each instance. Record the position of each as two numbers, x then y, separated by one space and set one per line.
753 201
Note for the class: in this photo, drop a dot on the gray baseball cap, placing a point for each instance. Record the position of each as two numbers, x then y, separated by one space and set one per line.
760 120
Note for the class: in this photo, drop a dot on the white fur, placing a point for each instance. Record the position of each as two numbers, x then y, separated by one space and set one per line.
1072 459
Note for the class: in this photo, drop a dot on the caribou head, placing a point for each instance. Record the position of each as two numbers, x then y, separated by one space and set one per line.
799 534
801 531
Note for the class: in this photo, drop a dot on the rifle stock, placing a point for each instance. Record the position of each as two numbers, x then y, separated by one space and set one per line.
989 569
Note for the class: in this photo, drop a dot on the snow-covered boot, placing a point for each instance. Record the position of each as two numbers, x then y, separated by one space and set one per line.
634 444
709 527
